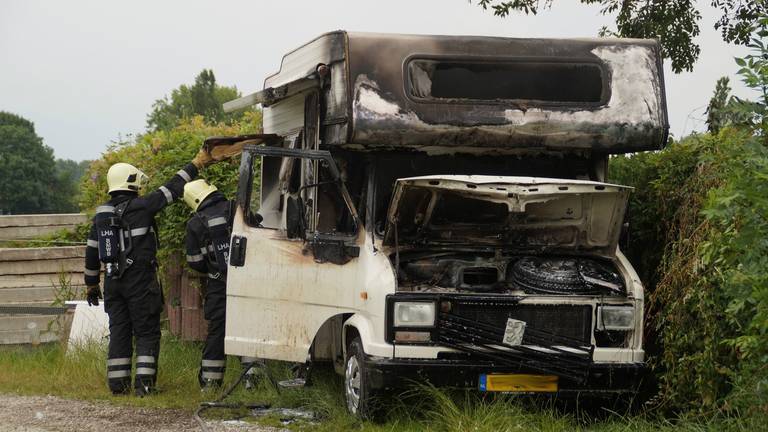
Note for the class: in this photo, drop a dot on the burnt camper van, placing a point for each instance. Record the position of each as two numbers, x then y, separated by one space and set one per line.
435 209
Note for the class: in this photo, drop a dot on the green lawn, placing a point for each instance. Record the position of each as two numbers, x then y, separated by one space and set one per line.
81 375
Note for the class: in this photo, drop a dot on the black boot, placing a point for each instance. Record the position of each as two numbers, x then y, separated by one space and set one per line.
144 387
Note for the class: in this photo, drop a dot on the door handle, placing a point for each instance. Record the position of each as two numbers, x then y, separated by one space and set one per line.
237 251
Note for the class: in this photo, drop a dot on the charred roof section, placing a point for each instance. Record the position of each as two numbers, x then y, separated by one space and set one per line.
467 93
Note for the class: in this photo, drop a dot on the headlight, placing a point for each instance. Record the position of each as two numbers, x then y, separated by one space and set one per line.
414 314
616 318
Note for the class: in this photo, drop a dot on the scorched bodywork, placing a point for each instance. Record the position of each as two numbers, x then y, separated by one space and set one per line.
435 208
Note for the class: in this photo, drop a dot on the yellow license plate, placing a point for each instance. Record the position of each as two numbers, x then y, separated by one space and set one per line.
518 383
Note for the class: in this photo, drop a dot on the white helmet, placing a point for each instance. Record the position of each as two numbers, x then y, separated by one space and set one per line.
196 191
125 177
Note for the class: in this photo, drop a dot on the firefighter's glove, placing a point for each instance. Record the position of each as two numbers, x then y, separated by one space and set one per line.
93 296
203 159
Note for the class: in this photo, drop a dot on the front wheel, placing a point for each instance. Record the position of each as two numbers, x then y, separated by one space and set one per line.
357 390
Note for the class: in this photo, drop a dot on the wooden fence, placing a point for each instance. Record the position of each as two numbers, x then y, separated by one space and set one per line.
184 301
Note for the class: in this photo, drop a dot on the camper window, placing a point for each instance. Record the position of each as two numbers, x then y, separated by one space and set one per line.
554 82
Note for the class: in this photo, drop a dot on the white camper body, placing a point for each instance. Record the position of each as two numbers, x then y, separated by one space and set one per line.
411 231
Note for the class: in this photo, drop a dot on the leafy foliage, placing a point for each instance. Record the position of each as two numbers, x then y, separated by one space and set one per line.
673 22
736 24
160 155
700 241
725 109
205 98
754 74
701 208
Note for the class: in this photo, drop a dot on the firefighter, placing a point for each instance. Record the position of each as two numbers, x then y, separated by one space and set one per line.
207 244
124 237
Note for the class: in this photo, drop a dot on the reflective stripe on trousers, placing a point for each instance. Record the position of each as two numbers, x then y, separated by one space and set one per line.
146 365
212 369
119 372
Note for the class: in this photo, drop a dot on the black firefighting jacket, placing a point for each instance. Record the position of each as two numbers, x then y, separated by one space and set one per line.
215 211
139 216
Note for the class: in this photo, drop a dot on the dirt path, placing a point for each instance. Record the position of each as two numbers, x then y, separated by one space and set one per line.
49 413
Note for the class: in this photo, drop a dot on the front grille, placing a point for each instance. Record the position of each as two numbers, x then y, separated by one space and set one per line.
556 338
568 321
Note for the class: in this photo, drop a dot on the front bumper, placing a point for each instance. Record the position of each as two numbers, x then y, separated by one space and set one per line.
603 378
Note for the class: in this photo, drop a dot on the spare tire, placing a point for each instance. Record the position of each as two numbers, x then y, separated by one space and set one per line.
565 275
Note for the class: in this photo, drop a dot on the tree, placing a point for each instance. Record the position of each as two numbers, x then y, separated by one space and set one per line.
204 98
673 22
717 112
67 185
26 167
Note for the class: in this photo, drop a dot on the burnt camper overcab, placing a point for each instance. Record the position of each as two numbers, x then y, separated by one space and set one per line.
434 208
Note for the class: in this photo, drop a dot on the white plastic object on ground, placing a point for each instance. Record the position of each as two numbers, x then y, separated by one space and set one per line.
90 325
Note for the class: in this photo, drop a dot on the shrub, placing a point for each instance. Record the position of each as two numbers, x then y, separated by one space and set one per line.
699 237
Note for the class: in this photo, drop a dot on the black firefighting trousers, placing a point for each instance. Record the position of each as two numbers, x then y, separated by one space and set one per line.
134 303
213 363
215 310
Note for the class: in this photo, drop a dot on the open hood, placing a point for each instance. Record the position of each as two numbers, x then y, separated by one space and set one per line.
525 213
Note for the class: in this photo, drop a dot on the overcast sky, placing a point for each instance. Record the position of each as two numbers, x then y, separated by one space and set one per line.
86 72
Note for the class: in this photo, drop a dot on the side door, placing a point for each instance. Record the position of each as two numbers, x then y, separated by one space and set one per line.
286 275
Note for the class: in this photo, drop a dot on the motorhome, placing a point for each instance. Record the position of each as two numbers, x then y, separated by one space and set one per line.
435 208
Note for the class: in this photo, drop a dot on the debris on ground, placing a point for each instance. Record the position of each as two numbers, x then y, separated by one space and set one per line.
50 413
286 415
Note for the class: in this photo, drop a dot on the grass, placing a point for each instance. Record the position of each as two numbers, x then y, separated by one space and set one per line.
81 375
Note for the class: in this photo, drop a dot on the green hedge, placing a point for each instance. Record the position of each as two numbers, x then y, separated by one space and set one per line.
699 237
160 155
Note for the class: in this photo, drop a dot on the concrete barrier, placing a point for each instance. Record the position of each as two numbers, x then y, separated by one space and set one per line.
31 279
33 276
24 227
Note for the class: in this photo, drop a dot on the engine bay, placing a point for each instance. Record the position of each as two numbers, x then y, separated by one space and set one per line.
500 273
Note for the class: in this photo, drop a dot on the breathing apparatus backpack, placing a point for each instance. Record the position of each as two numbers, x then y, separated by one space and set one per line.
114 244
218 232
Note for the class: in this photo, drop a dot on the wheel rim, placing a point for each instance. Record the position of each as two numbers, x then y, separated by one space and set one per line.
352 384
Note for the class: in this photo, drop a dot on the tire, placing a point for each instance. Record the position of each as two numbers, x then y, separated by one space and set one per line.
360 397
552 275
547 274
